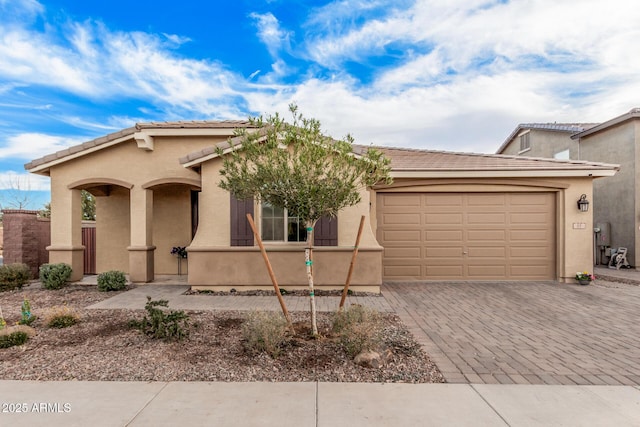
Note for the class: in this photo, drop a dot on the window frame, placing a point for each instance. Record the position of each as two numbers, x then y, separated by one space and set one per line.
285 234
525 141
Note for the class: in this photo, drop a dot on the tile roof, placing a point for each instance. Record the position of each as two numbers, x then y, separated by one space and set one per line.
571 128
407 159
634 113
196 124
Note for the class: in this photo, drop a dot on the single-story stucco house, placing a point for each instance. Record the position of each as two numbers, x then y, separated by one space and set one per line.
447 216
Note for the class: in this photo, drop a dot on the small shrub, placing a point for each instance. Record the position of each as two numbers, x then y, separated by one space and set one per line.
264 331
54 276
171 325
14 276
111 281
13 339
61 316
27 317
359 329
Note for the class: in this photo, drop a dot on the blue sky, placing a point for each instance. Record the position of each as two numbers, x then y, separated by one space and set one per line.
454 75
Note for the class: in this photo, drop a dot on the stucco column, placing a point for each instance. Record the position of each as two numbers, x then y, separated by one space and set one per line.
66 230
141 267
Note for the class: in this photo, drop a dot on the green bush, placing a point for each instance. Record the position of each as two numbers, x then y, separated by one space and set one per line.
14 276
359 329
54 276
264 331
13 339
171 325
111 281
61 316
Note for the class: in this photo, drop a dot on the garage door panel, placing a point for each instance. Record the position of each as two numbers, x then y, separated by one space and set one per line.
443 219
401 218
443 272
530 272
529 218
403 200
529 252
487 271
403 253
498 218
484 199
399 272
444 235
431 200
442 251
499 236
401 236
487 252
529 235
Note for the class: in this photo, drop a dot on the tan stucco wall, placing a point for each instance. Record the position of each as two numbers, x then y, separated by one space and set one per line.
617 198
124 164
244 268
171 226
574 245
214 263
113 231
214 225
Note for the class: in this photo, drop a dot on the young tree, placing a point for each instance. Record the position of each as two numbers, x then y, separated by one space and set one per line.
88 202
297 168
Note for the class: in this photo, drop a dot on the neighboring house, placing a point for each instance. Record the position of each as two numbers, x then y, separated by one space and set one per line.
544 140
447 216
616 200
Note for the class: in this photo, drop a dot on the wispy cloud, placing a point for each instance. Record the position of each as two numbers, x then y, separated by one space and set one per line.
20 183
28 146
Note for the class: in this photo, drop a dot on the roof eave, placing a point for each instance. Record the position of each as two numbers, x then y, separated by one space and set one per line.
502 173
633 114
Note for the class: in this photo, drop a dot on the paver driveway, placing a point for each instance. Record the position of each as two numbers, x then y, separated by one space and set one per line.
530 333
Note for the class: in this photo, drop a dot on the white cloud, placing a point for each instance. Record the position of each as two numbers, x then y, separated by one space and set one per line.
270 33
23 182
29 146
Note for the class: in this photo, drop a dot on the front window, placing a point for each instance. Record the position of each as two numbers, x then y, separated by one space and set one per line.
278 226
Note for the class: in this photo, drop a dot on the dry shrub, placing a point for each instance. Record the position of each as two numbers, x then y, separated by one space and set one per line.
359 329
61 316
264 331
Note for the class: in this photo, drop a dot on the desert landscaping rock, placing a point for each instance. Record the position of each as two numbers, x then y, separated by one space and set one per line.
104 347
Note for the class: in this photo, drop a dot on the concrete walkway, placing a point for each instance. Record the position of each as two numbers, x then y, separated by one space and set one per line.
136 299
97 404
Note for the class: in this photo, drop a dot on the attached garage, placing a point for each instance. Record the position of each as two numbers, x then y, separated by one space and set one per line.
467 236
463 216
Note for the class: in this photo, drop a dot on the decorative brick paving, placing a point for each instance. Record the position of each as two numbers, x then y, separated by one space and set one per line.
525 333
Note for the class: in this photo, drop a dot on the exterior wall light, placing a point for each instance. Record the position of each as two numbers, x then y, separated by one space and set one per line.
583 203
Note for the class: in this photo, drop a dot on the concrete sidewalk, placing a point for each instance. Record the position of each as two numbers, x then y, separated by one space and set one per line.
97 404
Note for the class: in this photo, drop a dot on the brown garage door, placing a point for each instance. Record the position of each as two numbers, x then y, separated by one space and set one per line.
467 236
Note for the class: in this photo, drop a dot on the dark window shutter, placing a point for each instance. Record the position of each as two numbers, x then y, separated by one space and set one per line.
241 234
325 232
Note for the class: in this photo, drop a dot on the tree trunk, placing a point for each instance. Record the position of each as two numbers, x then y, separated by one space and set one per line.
308 256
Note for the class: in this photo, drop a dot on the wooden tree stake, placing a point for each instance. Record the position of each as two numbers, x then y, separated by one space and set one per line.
353 263
270 270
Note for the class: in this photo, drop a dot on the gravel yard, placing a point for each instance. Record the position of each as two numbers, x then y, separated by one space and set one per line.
104 347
